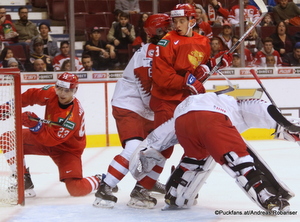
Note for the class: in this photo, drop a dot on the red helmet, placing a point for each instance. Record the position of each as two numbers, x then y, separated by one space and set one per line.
156 22
67 80
183 10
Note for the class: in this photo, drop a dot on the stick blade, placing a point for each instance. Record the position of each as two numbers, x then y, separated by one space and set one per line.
261 5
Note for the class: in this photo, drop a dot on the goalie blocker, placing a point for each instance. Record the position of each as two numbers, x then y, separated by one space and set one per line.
183 186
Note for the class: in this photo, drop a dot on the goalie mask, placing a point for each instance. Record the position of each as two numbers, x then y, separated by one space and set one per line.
157 25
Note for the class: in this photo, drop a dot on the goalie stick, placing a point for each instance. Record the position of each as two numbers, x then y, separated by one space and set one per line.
264 11
274 111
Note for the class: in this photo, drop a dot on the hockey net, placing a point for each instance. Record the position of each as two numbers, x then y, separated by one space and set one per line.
11 152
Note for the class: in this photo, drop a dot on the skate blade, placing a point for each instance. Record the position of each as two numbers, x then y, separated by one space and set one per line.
138 204
103 203
168 207
29 193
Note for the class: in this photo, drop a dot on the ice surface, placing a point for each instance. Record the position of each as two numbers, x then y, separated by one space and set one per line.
220 192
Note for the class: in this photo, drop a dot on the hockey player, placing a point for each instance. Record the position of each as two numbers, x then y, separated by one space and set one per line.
62 138
208 127
179 66
134 118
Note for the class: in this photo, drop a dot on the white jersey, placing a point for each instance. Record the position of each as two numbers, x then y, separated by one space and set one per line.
132 91
244 114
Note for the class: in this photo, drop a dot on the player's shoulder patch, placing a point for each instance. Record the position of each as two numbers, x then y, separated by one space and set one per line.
163 42
47 87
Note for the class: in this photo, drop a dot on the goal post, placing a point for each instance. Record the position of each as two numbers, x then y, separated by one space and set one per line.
11 144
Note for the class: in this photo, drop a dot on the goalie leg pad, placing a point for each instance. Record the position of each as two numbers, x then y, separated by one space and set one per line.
254 182
183 187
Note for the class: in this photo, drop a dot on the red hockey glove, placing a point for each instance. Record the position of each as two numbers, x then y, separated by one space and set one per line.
33 125
195 86
5 111
201 72
226 60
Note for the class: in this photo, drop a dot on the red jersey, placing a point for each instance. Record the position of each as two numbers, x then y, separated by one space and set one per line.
205 29
175 56
72 136
260 58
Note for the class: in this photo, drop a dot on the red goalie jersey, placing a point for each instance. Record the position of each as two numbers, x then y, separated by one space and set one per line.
72 136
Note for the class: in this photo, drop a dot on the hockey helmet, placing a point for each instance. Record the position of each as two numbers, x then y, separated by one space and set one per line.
67 80
157 23
183 10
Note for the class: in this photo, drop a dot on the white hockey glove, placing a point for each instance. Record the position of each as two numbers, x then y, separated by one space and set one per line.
143 160
282 133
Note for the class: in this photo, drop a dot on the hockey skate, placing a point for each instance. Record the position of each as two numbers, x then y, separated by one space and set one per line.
29 192
140 198
282 133
104 196
158 188
276 203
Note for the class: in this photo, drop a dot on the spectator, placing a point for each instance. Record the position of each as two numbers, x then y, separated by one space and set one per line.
267 20
251 13
215 46
87 63
8 30
285 11
253 41
216 14
117 13
236 60
128 6
64 55
141 35
247 52
12 63
204 27
204 15
270 61
102 53
39 65
282 41
292 58
120 35
66 66
267 50
26 29
50 43
38 53
5 55
226 34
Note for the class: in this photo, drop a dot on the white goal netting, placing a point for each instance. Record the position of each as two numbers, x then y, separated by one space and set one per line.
9 186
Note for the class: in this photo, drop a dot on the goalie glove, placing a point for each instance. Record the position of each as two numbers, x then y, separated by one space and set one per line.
5 111
282 133
33 125
195 86
226 60
201 73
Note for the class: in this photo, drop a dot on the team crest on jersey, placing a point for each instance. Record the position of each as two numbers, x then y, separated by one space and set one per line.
195 58
151 53
163 42
47 87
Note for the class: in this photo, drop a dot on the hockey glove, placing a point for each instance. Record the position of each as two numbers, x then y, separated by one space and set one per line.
201 72
5 111
195 86
226 60
33 125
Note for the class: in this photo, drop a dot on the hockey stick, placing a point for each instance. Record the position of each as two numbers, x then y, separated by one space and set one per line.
230 86
49 122
274 111
264 11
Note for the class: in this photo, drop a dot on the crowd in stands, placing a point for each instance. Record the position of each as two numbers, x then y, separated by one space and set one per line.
112 49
